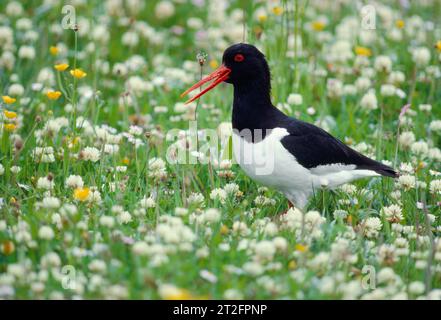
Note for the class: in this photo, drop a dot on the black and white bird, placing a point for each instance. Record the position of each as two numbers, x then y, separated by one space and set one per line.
274 149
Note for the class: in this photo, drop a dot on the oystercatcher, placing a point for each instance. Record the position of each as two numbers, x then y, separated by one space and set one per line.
279 151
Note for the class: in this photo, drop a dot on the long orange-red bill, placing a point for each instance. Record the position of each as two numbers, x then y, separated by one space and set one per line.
219 75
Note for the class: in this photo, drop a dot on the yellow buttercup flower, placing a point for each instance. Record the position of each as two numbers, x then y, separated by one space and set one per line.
54 50
178 294
214 64
224 230
126 161
301 248
61 66
318 25
262 18
75 141
399 24
292 264
8 99
438 46
277 10
10 114
81 194
10 127
78 73
363 51
53 95
8 247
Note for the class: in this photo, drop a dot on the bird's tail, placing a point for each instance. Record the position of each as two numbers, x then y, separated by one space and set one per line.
382 169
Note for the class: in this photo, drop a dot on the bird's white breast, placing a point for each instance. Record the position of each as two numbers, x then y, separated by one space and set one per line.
268 162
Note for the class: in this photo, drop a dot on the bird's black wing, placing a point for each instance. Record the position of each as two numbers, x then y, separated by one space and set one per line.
313 146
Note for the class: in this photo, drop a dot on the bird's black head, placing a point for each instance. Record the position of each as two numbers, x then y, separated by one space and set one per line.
244 66
247 65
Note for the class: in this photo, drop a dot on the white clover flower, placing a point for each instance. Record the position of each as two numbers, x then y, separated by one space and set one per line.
421 56
386 275
435 126
348 188
417 287
208 276
50 203
120 69
341 251
26 52
16 89
218 194
211 215
15 169
406 139
406 167
120 168
196 198
124 217
369 101
74 181
240 228
147 202
388 90
141 248
45 183
164 10
334 88
265 250
387 254
130 39
111 148
363 83
181 211
157 168
107 221
308 224
50 260
434 154
392 213
90 154
435 186
280 243
396 77
295 99
2 169
233 294
97 265
261 200
383 64
340 214
372 226
253 268
94 196
46 233
231 188
420 148
135 130
225 164
426 108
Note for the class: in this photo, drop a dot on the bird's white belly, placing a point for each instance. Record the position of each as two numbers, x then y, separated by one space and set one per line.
269 163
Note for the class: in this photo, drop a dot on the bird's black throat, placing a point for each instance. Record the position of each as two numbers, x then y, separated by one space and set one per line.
253 113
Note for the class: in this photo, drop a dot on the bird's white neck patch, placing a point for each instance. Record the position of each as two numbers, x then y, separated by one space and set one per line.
259 158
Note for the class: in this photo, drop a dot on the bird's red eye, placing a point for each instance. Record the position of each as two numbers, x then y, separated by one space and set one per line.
239 57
